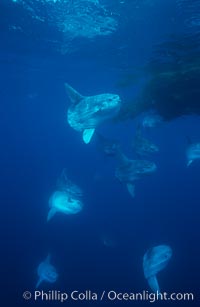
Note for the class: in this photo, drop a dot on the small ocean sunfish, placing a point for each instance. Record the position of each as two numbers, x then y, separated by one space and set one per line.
143 146
128 171
193 153
46 272
151 120
63 202
108 146
154 261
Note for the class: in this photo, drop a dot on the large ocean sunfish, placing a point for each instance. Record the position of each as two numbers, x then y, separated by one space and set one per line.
155 260
87 112
46 272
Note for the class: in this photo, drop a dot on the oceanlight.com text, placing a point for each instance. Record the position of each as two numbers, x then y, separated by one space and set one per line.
112 295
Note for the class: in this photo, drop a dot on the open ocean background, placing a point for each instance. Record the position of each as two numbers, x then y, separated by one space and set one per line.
36 143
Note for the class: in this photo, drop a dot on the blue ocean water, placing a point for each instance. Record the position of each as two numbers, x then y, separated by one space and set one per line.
102 247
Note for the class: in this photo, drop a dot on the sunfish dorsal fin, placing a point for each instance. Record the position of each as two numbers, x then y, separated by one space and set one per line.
87 135
131 189
51 213
153 284
74 96
47 260
39 282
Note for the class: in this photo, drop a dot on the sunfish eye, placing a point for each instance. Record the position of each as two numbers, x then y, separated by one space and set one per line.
52 275
166 255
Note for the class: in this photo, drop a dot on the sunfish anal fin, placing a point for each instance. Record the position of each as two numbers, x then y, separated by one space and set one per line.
74 96
39 282
131 189
87 135
51 213
153 284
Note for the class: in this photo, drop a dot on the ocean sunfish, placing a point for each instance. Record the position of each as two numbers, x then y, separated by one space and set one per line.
193 152
87 112
63 202
151 120
109 147
46 272
129 171
143 146
154 261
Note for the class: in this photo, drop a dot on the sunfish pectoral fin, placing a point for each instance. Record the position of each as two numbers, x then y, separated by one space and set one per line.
51 213
189 162
74 96
39 282
131 189
87 135
153 284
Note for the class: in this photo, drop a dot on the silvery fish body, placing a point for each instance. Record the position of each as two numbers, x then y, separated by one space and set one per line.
46 272
87 112
154 261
